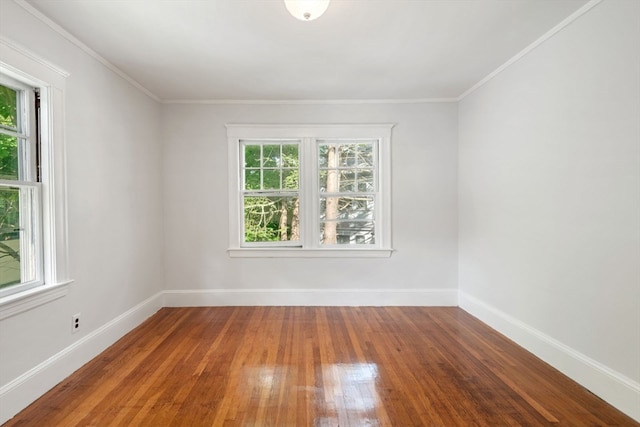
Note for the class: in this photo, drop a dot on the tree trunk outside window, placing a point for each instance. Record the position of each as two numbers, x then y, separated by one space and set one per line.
333 186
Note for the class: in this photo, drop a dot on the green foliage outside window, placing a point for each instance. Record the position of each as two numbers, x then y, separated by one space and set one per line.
8 144
9 197
271 167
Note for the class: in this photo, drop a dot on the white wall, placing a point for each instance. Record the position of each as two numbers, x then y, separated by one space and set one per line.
424 181
115 218
548 209
550 201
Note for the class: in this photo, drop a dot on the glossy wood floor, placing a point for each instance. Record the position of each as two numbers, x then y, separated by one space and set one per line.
306 366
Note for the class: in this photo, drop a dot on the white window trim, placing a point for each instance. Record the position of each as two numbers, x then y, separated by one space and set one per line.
238 132
23 65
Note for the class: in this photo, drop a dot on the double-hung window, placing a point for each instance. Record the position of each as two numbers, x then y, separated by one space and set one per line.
33 214
20 191
309 190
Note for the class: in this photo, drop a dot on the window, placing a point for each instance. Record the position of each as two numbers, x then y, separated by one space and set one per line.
20 195
33 214
270 192
316 190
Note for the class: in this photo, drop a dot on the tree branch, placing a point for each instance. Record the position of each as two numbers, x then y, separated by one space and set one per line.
9 251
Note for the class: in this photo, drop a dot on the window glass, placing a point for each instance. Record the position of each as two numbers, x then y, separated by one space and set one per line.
347 233
19 192
346 175
271 205
271 218
9 236
8 142
9 157
8 108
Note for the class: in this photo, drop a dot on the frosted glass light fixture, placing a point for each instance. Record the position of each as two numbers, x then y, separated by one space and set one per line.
306 10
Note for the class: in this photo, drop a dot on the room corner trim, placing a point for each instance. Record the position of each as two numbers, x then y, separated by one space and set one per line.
86 49
7 43
549 34
615 388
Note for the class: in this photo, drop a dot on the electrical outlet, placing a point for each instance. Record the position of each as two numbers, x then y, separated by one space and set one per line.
75 323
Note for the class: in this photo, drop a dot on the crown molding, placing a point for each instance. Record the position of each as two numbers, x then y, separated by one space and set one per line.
64 33
307 101
6 42
549 34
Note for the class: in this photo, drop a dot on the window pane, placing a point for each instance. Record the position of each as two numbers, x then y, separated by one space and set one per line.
330 181
323 181
271 179
347 155
361 208
8 157
347 233
8 108
323 154
252 179
346 167
270 219
329 155
271 156
334 181
9 236
252 156
365 180
270 167
347 181
290 179
290 156
365 155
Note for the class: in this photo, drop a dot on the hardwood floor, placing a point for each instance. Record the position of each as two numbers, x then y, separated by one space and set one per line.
317 366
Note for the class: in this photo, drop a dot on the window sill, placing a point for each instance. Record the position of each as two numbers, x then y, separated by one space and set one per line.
308 253
24 301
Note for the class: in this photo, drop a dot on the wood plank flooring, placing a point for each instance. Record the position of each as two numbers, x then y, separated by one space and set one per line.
317 366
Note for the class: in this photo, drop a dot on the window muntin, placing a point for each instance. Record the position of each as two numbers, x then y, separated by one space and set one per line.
361 215
20 191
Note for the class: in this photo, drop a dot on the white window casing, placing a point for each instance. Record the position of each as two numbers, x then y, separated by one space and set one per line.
51 253
309 137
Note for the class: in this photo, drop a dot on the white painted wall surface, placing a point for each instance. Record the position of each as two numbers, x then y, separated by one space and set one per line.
115 214
548 177
550 193
424 182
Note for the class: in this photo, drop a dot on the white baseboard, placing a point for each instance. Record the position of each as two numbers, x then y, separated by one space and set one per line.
311 297
613 387
21 392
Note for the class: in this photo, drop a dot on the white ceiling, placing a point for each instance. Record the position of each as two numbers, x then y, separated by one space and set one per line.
255 50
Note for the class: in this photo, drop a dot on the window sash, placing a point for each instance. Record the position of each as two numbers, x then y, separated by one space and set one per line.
30 236
265 243
279 168
26 128
313 217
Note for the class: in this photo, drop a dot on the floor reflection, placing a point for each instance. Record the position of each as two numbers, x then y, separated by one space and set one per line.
351 386
335 394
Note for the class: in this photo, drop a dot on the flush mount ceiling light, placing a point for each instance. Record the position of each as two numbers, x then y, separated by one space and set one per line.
306 10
